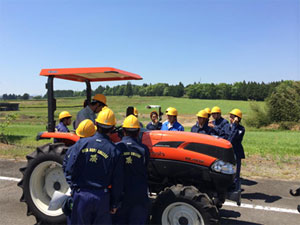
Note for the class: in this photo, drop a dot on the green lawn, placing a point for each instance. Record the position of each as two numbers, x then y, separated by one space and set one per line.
32 119
276 144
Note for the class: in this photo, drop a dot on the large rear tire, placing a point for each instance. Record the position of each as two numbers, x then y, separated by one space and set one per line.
184 205
43 175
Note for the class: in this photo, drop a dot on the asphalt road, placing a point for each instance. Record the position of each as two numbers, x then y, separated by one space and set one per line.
263 201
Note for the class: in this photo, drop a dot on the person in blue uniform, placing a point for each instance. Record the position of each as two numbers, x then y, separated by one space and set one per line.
154 124
201 125
172 124
85 129
135 204
90 166
64 121
90 110
234 132
219 122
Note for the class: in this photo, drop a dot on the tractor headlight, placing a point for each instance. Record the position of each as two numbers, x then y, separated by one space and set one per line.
223 167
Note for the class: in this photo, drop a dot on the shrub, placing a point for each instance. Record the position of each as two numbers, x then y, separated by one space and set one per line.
3 126
258 117
284 102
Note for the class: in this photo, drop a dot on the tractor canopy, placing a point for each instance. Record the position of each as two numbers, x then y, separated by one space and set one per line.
90 74
87 75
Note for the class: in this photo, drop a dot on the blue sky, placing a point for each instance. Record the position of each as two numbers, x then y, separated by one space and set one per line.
168 41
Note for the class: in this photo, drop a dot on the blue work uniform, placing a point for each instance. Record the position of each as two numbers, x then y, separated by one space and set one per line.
235 133
174 127
85 113
135 204
203 130
61 127
154 126
90 166
219 124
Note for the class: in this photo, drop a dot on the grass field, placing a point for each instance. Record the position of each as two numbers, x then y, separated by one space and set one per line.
32 119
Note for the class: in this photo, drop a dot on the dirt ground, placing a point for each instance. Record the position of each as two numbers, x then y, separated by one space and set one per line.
264 167
252 167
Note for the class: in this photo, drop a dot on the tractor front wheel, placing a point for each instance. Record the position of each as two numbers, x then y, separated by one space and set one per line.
184 205
42 176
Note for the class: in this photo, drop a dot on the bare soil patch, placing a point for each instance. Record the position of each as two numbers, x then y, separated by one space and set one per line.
268 167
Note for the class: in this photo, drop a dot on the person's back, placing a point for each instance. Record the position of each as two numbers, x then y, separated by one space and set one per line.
92 171
90 166
136 156
135 205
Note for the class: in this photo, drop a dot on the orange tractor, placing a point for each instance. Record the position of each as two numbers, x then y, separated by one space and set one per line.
190 174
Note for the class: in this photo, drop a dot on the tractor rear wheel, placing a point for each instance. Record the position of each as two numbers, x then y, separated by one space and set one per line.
184 205
42 176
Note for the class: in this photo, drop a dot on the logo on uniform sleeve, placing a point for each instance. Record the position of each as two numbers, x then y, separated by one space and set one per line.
93 158
129 160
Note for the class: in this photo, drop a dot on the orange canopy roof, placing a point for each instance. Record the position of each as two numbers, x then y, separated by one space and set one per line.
91 74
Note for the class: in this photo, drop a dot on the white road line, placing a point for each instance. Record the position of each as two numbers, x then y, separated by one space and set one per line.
10 178
260 207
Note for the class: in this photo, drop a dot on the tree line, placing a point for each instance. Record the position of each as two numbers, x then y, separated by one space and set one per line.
25 96
236 91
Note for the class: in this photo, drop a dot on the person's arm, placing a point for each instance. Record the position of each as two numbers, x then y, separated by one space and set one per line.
70 163
235 134
117 180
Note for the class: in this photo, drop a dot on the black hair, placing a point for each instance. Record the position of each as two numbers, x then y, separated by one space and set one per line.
95 102
151 114
131 133
103 130
62 120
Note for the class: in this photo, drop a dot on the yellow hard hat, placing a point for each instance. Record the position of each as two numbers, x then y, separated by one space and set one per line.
106 118
64 114
202 114
86 128
207 110
237 113
100 98
216 109
135 111
131 122
171 111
